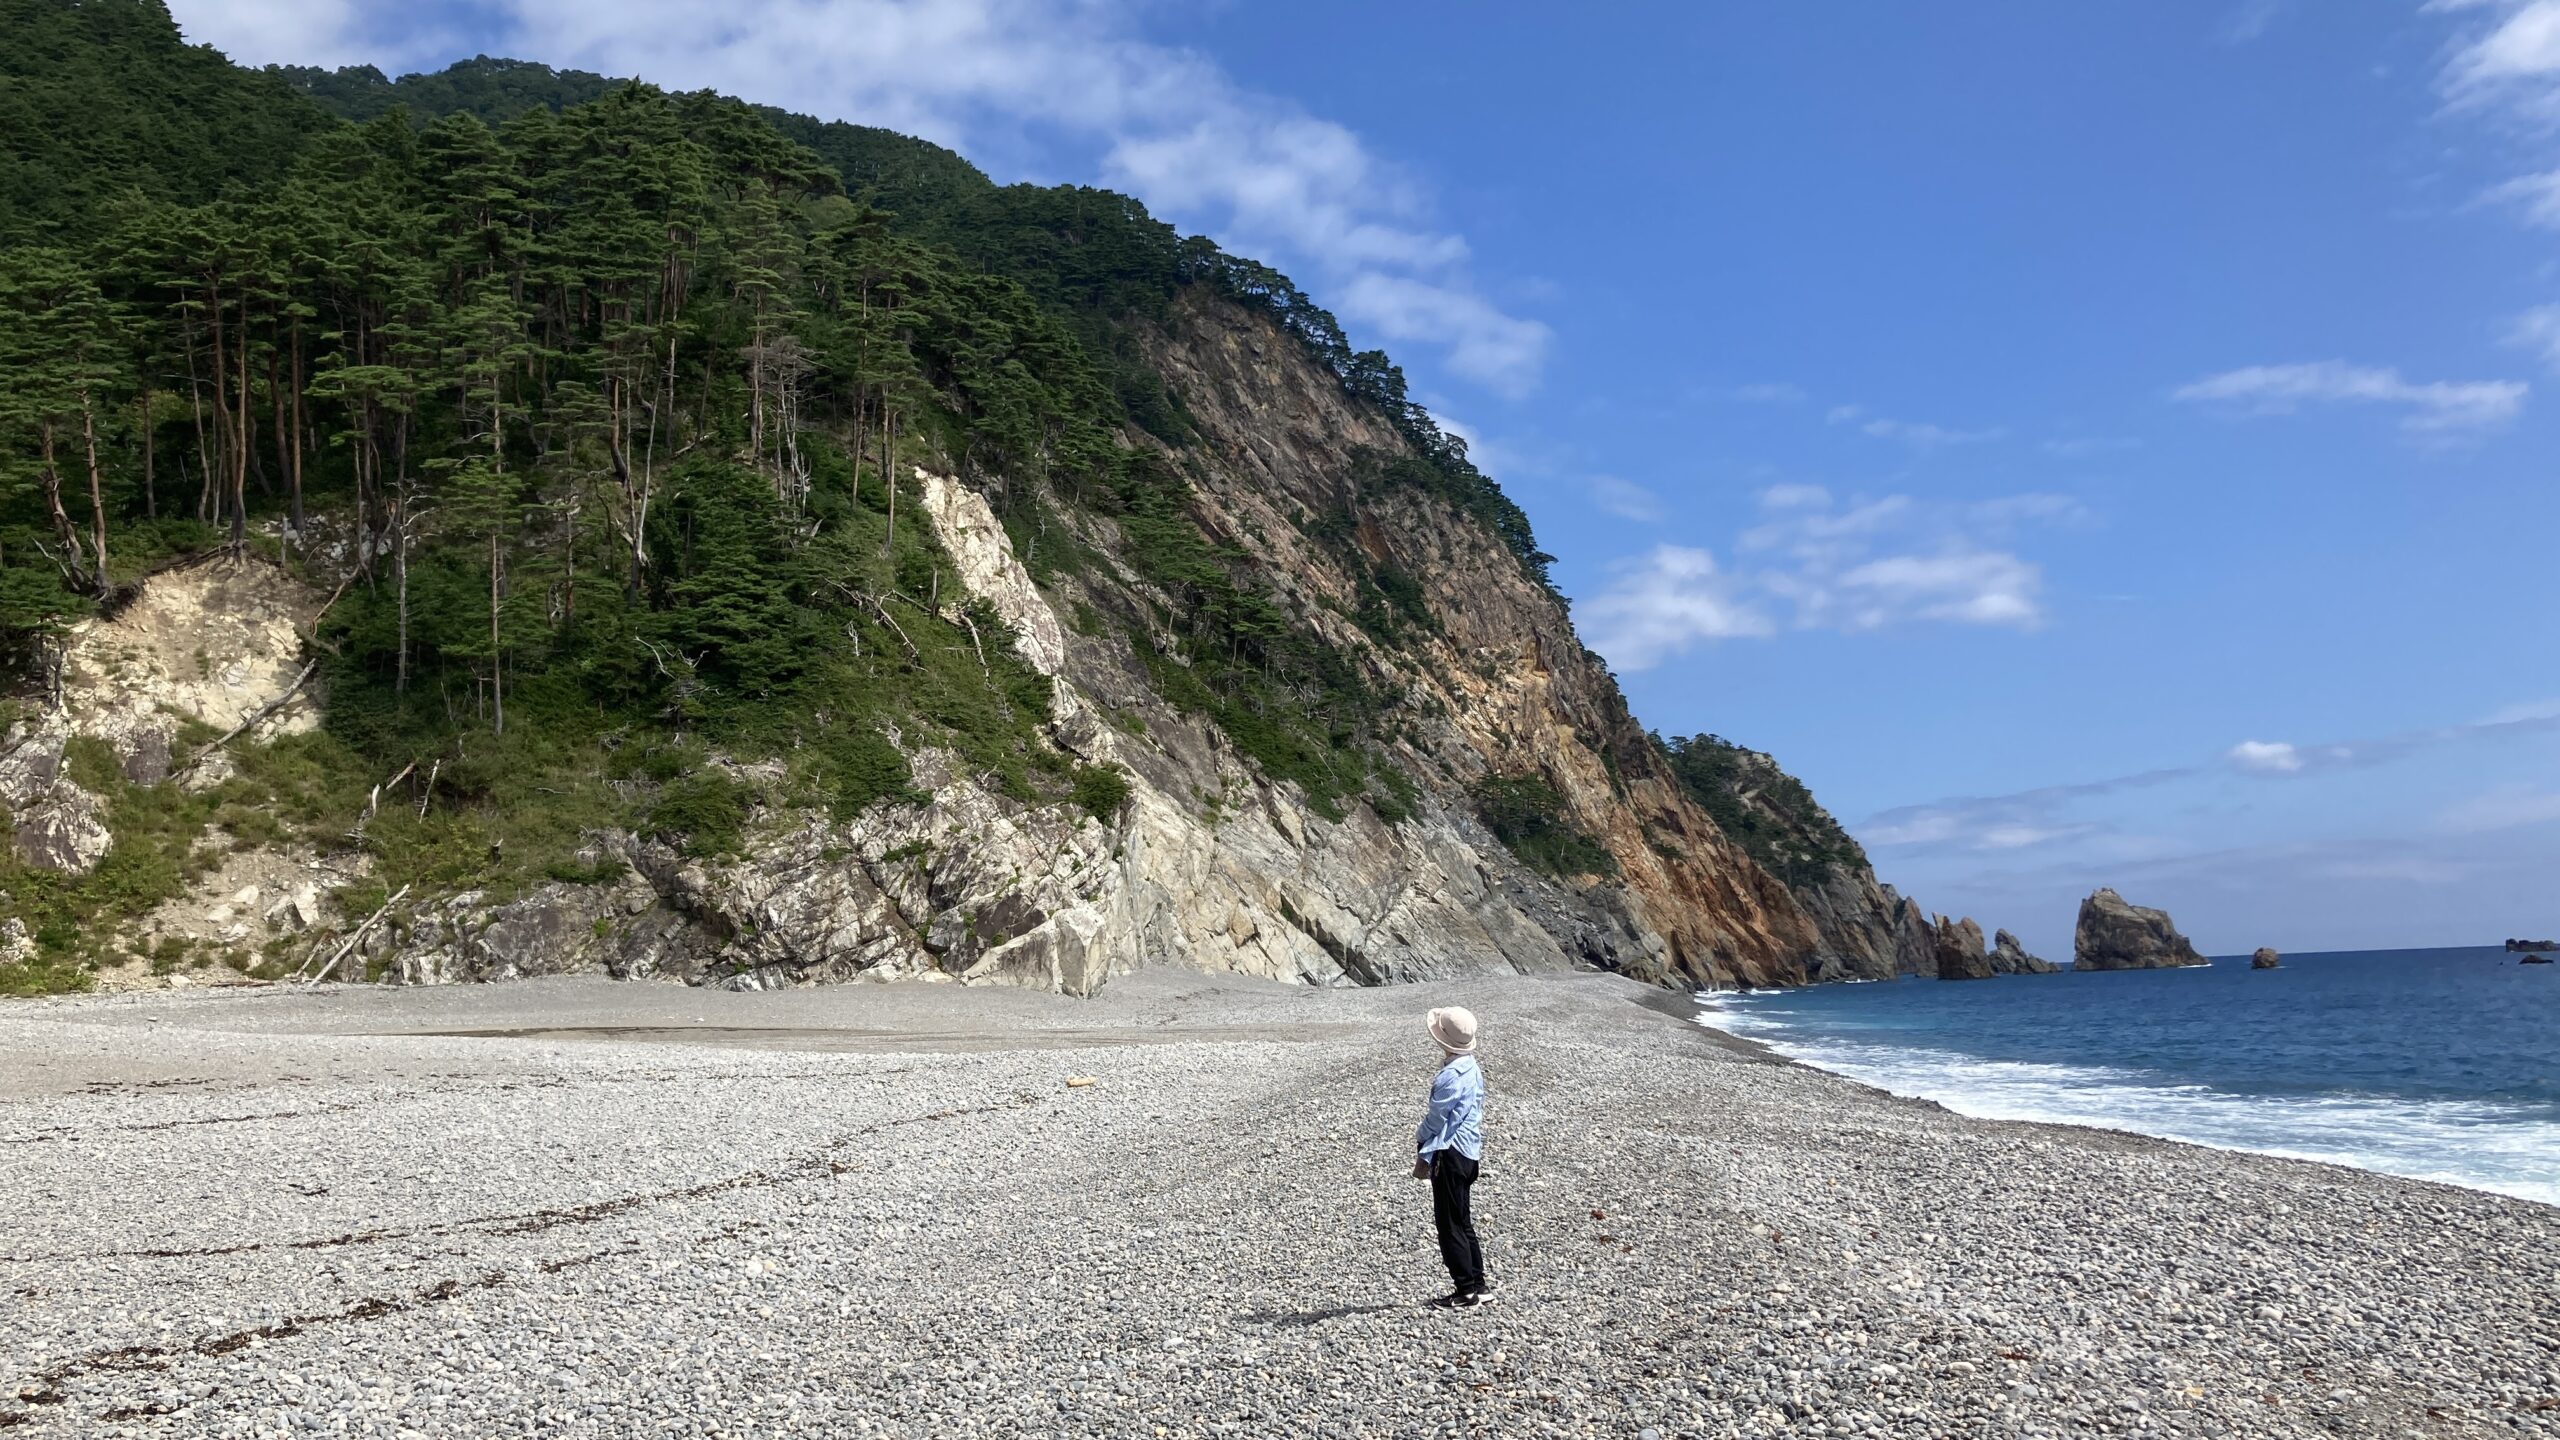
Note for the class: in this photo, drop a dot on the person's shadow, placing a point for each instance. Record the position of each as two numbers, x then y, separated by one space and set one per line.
1299 1319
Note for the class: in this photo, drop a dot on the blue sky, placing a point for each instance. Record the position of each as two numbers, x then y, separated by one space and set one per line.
2107 443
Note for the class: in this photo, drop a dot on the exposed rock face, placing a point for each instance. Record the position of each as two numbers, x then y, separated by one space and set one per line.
1959 949
214 641
54 823
2009 957
1915 944
1209 863
1502 683
2115 935
1865 930
2264 958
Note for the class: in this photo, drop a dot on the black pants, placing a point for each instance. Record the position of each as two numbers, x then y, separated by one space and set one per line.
1452 1176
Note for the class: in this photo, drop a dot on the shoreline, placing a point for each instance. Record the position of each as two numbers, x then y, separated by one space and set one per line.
882 1210
2095 1126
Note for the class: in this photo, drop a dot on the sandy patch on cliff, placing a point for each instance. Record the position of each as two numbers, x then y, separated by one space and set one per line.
213 641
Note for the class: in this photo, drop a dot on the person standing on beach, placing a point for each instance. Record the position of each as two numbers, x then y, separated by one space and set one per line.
1448 1146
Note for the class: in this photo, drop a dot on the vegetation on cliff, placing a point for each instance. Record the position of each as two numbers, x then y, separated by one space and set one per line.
596 411
1765 809
604 404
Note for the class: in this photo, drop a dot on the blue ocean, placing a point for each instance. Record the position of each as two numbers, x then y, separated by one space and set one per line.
2438 1064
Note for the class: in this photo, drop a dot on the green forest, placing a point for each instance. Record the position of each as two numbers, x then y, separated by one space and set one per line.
589 403
1764 809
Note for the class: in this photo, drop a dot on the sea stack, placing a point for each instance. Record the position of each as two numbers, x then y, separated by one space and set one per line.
2008 957
2263 958
1960 954
2115 935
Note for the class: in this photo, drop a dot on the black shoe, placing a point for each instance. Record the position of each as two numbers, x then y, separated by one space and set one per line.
1450 1301
1473 1298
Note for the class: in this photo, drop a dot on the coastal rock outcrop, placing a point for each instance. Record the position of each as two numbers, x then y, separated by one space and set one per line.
2264 958
2009 957
2114 934
1960 954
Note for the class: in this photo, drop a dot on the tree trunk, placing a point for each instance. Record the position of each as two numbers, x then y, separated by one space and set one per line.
889 478
400 570
97 489
51 480
296 470
276 417
150 480
497 658
240 448
204 450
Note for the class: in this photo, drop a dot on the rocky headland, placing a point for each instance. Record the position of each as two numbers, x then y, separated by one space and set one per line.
2113 934
576 1208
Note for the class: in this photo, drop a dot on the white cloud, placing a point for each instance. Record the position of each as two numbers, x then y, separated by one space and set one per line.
2085 446
2538 196
1961 584
1484 344
1626 499
1919 435
1791 497
2267 757
2009 511
1894 559
2523 712
2538 330
1664 603
1770 394
2016 837
2513 59
1866 565
2504 808
1962 825
1924 436
2251 19
2435 407
1009 82
2505 65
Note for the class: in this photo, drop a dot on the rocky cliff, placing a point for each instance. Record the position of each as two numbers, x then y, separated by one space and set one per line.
2115 935
1864 930
1209 861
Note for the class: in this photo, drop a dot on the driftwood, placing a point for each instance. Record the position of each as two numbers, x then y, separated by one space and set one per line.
322 613
867 598
255 716
352 940
374 803
973 639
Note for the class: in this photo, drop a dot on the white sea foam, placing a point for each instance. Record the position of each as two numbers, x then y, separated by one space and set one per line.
2510 1149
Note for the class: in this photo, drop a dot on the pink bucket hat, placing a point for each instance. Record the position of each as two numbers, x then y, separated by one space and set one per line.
1455 1028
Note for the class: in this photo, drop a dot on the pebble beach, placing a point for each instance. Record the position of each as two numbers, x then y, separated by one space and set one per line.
1183 1207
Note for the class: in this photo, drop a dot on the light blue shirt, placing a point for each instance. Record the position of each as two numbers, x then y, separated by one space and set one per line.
1456 1119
